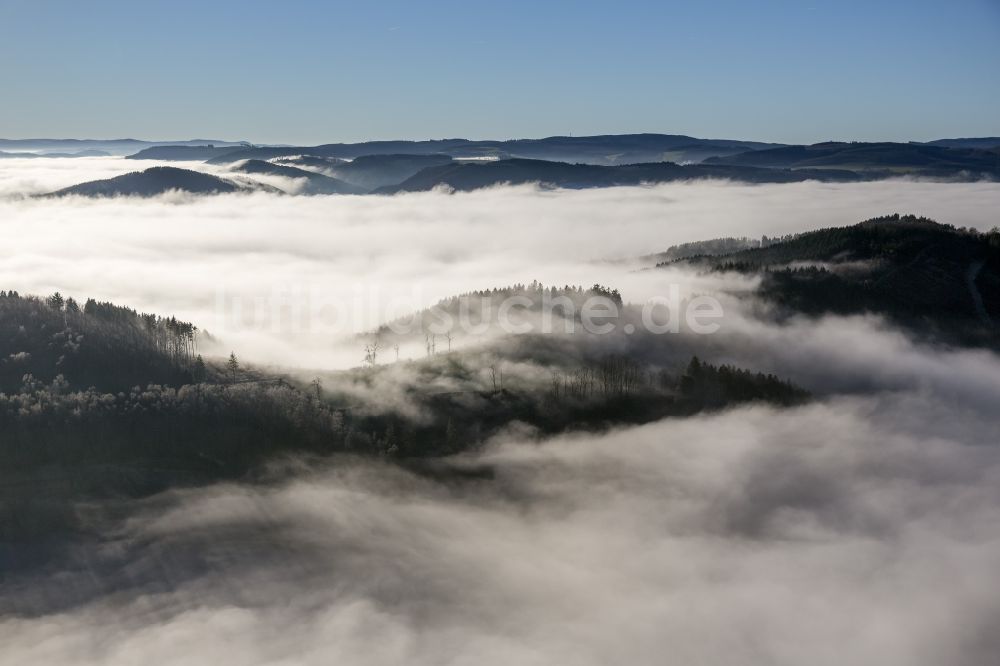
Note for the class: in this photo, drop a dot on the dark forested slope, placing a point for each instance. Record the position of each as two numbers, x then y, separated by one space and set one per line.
314 183
933 277
465 176
103 385
374 171
606 149
152 181
883 158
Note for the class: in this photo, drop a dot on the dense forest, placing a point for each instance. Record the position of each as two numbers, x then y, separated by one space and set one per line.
153 181
481 310
97 344
103 387
103 401
711 248
313 183
935 279
928 160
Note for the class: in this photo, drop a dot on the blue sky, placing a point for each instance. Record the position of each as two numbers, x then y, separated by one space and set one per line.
311 72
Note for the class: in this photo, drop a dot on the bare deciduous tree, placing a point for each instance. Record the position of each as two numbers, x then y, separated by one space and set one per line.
371 351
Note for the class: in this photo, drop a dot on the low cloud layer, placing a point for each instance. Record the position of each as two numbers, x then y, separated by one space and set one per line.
857 529
853 531
365 258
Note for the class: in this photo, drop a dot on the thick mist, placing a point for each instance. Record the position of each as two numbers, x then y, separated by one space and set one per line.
849 531
281 279
859 528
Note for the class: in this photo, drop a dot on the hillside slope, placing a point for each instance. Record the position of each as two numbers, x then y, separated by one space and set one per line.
315 183
608 149
898 158
151 182
373 171
183 153
471 176
932 277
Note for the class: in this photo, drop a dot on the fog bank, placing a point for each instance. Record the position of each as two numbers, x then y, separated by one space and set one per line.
846 532
355 261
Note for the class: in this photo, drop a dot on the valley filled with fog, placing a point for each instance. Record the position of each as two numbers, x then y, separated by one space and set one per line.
850 520
320 268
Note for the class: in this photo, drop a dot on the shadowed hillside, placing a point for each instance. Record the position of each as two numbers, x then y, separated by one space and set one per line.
930 276
899 158
103 401
315 183
152 181
183 153
310 162
95 344
604 149
374 171
471 176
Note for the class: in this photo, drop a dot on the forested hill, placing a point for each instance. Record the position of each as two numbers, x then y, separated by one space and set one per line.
389 167
99 400
95 344
896 239
932 276
705 248
945 161
607 149
471 176
374 171
950 159
314 183
334 176
152 181
184 153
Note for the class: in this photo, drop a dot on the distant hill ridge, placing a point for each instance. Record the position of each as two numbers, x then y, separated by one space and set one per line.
918 159
315 183
152 181
119 147
470 176
611 150
387 167
603 149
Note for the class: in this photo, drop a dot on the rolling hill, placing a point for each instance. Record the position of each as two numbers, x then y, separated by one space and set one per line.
309 161
464 176
152 181
183 153
971 142
315 183
886 158
604 150
100 401
373 171
933 278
